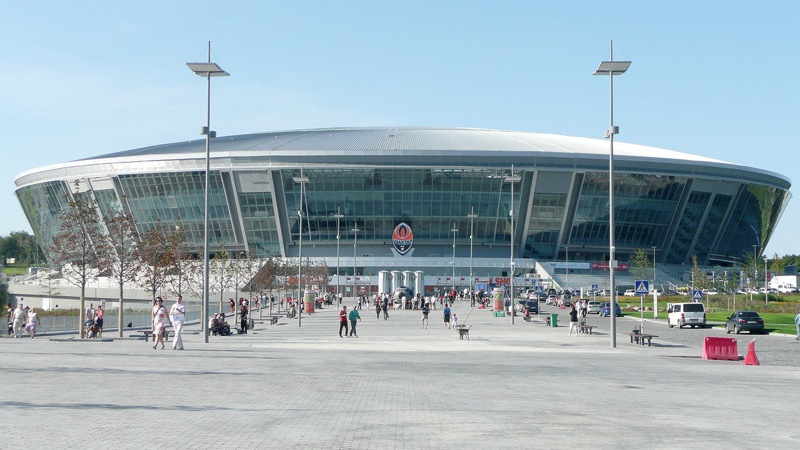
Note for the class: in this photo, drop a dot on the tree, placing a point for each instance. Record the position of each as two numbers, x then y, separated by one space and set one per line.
73 248
699 277
266 278
152 259
219 276
118 255
641 268
180 268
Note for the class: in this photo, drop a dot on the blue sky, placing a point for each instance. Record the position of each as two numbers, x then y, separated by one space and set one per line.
713 78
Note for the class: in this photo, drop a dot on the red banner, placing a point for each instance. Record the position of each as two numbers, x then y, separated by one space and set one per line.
603 265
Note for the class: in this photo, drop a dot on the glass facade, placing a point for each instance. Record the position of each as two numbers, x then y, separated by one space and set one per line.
376 200
554 210
178 198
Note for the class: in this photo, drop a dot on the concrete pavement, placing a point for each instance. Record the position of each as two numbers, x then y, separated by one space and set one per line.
396 386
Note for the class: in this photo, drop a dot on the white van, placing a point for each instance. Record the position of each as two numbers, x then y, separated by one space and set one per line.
692 314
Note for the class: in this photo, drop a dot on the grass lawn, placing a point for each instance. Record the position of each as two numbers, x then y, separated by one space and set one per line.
15 270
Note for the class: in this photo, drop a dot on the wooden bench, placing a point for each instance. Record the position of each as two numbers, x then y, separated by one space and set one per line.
587 329
463 330
148 333
640 338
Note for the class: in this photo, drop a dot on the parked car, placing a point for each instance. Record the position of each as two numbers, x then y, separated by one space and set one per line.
593 307
630 293
744 321
681 314
551 300
605 310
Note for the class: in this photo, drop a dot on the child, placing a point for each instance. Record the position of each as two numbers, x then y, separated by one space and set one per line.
454 320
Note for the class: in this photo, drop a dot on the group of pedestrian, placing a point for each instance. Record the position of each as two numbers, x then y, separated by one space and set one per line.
344 317
176 317
93 323
22 318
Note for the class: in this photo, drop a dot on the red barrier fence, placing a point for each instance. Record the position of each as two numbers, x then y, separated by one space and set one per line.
720 348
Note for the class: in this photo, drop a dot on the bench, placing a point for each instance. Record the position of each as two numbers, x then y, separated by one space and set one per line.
148 333
463 330
273 319
587 329
640 338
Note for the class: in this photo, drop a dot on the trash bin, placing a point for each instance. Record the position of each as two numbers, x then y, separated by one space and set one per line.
553 320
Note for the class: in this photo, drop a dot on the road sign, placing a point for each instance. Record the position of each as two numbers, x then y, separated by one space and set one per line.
642 287
697 295
594 287
539 290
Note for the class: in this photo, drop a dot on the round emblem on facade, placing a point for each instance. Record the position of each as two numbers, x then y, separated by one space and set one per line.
402 238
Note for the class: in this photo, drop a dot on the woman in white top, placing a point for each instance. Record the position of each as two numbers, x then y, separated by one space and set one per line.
177 314
33 322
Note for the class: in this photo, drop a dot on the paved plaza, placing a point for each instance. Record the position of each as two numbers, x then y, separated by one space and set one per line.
395 386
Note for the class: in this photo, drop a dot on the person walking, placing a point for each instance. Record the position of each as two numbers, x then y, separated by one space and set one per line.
573 320
160 319
343 320
797 324
243 321
454 320
354 318
98 319
19 321
33 322
10 319
385 309
446 314
177 314
425 311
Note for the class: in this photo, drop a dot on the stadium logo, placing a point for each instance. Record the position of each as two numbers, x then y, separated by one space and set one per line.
402 238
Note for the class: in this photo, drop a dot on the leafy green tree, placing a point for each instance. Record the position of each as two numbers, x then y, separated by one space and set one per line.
641 267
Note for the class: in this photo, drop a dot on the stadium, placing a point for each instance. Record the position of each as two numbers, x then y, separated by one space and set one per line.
438 201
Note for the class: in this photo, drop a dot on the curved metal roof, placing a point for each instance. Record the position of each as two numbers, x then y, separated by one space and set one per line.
386 146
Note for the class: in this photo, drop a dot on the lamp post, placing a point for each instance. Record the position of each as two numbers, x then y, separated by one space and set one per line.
471 217
338 216
655 291
566 250
454 230
302 180
355 251
766 287
207 70
612 68
512 179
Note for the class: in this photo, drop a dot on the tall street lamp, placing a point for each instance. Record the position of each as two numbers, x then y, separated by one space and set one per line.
207 70
355 251
766 287
655 291
612 68
512 179
471 217
566 251
338 216
454 230
302 180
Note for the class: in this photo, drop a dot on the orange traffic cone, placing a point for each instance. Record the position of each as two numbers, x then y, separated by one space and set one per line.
751 359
